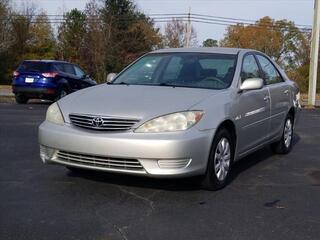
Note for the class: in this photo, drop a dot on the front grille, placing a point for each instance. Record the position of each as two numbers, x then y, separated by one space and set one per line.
102 123
132 165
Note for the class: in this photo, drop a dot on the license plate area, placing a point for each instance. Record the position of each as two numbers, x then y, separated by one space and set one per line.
29 80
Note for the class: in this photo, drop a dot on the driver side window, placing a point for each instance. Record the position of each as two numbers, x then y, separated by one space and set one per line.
250 68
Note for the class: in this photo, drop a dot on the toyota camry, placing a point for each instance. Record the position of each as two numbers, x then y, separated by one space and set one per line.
175 113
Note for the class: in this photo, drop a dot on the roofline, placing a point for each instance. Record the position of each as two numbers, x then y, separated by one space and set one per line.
44 60
220 50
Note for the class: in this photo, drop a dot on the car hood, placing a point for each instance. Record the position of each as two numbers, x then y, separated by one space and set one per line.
139 102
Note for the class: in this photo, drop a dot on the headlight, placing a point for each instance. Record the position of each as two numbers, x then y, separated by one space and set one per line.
54 114
171 123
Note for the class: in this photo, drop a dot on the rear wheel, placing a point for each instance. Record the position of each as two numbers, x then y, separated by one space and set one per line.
284 145
21 99
220 161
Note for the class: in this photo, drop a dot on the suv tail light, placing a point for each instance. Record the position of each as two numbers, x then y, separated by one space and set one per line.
16 74
50 74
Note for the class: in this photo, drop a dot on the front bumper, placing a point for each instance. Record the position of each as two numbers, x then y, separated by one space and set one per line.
178 154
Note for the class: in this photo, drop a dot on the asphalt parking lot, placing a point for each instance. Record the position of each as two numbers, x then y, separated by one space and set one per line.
270 197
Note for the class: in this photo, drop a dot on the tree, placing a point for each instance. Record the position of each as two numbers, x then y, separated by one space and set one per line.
71 35
41 42
129 33
5 38
210 43
175 34
95 39
263 36
21 33
281 40
18 32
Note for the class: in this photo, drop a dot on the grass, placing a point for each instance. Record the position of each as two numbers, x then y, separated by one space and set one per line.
7 99
5 87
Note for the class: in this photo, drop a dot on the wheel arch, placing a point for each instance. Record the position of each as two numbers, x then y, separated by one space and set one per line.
231 128
292 112
63 83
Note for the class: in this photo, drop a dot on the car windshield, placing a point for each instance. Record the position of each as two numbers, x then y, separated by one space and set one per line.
34 66
195 70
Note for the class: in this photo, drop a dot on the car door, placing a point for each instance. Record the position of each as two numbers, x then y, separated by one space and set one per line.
83 79
279 94
253 109
74 83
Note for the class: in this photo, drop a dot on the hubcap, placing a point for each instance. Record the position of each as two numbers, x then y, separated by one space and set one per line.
222 159
287 133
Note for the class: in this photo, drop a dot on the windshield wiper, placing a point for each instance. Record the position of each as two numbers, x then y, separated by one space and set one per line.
120 83
166 85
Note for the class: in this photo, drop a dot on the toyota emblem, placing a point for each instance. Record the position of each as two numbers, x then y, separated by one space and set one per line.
97 122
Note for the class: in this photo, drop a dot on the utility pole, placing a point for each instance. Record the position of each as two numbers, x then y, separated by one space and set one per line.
188 34
314 55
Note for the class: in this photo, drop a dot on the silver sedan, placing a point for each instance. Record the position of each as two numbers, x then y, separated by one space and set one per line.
175 113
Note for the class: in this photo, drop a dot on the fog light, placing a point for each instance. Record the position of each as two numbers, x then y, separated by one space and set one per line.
174 163
46 153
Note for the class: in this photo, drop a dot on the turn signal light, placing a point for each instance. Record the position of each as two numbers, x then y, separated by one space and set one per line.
16 74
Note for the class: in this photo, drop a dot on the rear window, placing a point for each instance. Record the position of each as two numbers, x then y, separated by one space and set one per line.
65 67
34 67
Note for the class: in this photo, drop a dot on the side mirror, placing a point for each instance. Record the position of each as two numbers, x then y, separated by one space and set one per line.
111 76
85 76
252 84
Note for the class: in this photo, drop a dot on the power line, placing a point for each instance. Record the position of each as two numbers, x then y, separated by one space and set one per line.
59 19
176 15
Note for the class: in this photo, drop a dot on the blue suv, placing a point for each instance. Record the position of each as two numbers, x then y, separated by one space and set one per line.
48 79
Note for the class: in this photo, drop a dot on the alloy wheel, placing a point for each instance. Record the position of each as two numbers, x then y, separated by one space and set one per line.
288 133
222 159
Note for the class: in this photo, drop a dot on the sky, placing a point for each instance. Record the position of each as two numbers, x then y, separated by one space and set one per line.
299 11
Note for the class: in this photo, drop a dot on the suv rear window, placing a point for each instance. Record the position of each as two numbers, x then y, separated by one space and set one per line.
34 67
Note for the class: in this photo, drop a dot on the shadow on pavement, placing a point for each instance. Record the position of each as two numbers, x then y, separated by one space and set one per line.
255 158
181 184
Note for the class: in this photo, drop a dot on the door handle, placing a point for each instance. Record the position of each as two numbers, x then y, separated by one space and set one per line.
266 98
286 92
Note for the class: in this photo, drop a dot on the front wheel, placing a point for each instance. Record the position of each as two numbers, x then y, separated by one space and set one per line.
284 145
220 161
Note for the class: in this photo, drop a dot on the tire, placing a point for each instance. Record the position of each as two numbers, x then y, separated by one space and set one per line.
61 93
284 145
212 179
20 99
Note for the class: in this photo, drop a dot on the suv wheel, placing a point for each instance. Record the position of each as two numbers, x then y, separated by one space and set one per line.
284 145
220 161
62 93
21 99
